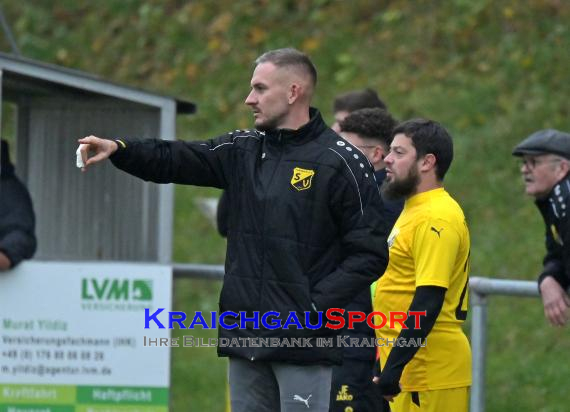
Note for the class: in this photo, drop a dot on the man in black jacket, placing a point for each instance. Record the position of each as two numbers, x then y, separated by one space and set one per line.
369 130
343 105
17 220
545 165
305 233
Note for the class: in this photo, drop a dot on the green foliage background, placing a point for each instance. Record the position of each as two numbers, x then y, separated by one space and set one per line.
492 71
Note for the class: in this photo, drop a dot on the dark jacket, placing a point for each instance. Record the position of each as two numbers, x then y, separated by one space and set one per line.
222 212
304 224
555 211
392 208
363 301
17 219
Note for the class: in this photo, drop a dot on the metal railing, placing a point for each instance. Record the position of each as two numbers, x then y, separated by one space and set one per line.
479 289
198 271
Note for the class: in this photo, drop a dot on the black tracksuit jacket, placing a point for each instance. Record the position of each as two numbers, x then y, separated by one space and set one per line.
305 229
555 210
17 218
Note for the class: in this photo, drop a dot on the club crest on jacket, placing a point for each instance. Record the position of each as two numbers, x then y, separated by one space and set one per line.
302 178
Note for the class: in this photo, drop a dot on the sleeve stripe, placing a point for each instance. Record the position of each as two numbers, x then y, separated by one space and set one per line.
232 142
355 181
220 145
121 143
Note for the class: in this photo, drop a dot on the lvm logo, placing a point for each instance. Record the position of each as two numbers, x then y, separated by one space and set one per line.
115 294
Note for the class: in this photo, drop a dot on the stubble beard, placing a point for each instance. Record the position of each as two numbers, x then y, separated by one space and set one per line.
271 123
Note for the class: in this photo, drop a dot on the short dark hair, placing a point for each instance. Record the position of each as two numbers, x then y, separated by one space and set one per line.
429 136
358 99
290 57
371 123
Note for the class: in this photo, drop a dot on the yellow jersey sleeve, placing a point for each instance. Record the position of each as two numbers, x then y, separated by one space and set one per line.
434 248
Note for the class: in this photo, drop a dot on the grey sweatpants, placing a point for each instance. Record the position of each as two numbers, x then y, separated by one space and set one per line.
279 387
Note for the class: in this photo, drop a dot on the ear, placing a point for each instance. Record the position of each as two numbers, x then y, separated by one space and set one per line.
563 168
428 162
378 155
295 90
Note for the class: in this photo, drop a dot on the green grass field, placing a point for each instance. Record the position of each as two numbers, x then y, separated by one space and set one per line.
492 71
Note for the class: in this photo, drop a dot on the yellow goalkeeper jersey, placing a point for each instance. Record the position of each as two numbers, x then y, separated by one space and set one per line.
429 246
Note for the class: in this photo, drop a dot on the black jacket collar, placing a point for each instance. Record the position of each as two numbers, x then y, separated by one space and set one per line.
308 131
559 195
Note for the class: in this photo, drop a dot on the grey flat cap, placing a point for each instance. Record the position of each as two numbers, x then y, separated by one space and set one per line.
543 142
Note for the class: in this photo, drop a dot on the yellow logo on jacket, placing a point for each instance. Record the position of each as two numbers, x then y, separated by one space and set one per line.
343 394
556 236
302 178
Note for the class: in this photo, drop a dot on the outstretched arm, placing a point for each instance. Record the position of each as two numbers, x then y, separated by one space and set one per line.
93 150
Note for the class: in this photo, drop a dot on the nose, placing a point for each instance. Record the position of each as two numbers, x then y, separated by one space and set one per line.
388 159
250 100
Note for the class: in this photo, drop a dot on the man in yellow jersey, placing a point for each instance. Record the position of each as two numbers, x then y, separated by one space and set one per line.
427 271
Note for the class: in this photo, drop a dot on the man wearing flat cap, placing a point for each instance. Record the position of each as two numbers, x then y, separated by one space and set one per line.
545 170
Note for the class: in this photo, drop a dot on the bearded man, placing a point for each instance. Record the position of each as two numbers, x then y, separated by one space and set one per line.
427 275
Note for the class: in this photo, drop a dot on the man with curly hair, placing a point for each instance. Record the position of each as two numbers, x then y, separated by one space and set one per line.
370 131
